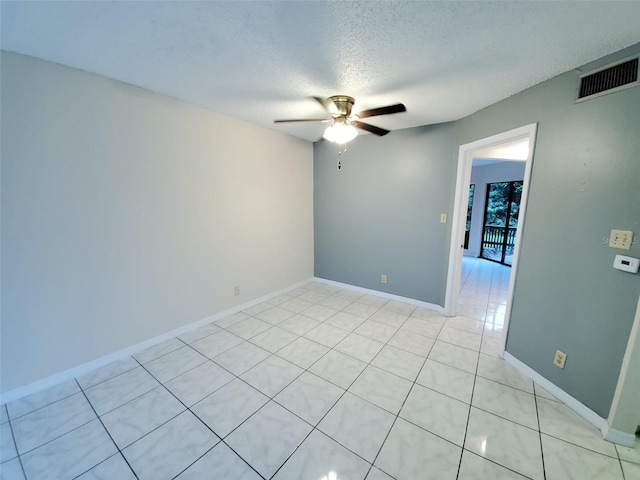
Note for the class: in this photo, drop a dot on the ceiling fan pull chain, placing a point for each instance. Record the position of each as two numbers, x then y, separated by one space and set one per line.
342 148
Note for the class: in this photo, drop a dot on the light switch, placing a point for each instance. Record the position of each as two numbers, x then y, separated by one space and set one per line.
443 218
621 239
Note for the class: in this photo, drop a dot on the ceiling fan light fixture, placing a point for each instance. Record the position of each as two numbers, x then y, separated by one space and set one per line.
340 133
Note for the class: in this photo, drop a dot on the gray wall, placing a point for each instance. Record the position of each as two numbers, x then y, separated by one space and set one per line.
381 213
585 182
481 176
126 214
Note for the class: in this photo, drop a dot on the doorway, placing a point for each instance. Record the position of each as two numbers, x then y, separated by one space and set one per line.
504 142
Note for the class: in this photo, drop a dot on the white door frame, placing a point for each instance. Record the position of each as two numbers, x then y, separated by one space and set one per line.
465 161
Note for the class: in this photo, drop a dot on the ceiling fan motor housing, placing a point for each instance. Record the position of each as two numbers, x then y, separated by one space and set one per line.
344 104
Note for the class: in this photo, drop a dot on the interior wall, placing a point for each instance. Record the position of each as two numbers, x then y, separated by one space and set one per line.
127 214
480 176
381 213
584 183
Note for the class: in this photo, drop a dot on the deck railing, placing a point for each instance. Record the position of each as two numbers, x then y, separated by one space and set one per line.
494 237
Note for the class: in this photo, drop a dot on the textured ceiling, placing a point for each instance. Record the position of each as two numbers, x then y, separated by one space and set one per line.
260 61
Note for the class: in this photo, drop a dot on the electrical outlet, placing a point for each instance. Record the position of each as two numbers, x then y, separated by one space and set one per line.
236 291
383 278
621 239
559 359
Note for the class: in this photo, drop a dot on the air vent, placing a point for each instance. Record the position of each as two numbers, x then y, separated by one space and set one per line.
608 79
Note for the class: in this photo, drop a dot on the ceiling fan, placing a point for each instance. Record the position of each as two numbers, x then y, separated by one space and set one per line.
343 122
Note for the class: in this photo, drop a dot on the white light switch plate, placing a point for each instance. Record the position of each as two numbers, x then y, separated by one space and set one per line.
621 239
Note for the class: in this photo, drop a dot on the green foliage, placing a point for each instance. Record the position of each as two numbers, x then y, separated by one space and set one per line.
498 203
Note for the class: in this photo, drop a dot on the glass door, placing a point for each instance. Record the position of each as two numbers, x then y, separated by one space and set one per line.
501 213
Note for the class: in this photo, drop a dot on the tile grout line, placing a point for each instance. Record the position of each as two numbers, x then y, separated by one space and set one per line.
535 399
53 439
128 401
305 370
108 433
535 395
403 403
358 376
314 427
582 447
251 386
39 408
129 370
473 388
624 476
345 390
238 377
110 378
466 428
195 415
13 437
473 392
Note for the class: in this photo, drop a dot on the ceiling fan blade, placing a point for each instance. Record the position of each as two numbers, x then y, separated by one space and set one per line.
370 128
327 105
397 108
303 120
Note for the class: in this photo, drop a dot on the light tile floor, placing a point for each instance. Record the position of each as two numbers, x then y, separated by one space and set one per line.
318 384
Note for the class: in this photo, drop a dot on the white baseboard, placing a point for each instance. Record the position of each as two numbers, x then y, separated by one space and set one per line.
585 412
618 437
390 296
71 373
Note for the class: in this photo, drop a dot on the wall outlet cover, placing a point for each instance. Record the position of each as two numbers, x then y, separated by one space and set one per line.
560 358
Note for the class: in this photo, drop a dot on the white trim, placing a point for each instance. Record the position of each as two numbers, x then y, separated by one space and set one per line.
390 296
71 373
625 382
585 412
616 436
465 161
456 253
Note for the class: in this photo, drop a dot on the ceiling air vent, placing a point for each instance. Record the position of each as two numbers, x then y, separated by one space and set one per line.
608 79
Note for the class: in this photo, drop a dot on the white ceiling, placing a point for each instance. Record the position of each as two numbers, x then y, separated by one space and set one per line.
261 61
515 150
